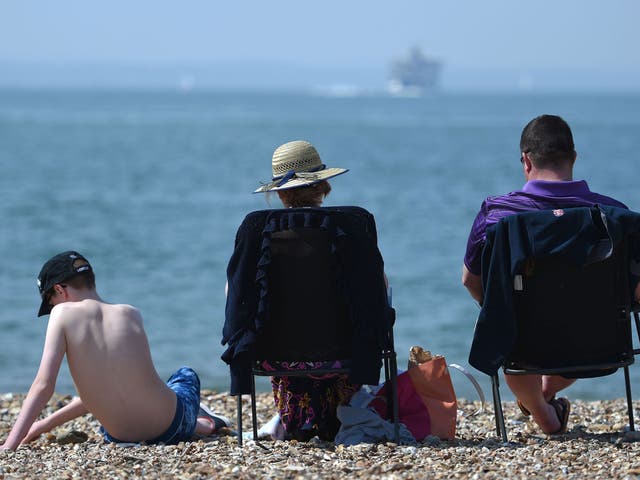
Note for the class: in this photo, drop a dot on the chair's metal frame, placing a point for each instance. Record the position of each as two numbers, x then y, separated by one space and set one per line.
390 372
501 430
388 354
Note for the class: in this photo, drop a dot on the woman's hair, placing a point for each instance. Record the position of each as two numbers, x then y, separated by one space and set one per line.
310 196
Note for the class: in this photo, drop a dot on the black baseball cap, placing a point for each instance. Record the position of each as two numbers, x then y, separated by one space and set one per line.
58 269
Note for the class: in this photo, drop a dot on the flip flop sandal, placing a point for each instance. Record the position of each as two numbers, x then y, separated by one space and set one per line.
562 408
524 410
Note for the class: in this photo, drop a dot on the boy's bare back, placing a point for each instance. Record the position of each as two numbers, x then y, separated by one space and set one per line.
110 362
109 358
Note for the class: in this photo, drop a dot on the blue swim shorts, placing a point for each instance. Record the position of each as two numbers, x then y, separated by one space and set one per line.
186 384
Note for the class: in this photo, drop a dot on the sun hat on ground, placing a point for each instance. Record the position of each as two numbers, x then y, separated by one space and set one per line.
297 164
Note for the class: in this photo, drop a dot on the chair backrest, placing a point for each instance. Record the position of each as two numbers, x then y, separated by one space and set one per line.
573 317
303 281
557 297
308 316
556 287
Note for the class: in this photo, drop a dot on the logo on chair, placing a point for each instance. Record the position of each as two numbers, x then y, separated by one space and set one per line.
559 212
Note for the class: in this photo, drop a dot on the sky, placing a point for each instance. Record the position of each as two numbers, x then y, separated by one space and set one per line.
584 43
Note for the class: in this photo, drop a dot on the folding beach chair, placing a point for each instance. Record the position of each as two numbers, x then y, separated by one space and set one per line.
310 302
558 306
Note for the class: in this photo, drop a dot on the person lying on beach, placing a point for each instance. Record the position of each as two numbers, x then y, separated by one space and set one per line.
547 158
110 362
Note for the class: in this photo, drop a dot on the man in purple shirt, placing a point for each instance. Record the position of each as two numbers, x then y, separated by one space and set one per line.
547 156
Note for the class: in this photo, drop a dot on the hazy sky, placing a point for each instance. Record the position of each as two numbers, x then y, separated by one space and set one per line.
466 34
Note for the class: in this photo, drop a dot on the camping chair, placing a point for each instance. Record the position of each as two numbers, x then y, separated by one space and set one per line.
570 320
305 313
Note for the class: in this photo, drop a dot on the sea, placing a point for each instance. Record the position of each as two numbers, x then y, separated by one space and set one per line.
151 186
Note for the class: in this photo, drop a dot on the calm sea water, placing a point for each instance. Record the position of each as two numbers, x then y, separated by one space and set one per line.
151 187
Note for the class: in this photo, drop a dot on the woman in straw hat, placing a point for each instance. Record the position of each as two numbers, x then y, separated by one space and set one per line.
307 407
299 176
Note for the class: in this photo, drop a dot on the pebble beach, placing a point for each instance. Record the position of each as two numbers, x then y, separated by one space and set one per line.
595 446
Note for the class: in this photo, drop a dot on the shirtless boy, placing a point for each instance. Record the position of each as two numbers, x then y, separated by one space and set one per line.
110 362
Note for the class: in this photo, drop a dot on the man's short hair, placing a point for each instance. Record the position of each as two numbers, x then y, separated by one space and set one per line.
548 141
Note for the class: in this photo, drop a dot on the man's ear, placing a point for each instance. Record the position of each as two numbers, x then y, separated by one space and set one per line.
526 162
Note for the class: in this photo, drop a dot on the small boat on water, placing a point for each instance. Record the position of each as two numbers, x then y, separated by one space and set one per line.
414 75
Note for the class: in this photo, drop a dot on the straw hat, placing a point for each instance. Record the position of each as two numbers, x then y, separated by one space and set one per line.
297 164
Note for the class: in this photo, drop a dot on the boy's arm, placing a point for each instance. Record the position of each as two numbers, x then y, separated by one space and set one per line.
74 409
43 385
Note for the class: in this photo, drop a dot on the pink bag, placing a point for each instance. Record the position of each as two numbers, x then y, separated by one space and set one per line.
426 400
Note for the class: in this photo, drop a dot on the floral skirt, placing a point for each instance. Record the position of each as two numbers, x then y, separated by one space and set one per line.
307 406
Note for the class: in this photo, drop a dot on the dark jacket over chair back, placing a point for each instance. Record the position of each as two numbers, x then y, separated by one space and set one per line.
584 236
320 273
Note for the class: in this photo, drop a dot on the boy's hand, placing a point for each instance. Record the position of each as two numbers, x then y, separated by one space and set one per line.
7 448
37 429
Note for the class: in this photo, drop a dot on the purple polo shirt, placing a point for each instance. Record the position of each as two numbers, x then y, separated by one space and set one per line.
535 195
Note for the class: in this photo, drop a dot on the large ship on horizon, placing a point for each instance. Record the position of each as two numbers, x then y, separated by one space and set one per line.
414 74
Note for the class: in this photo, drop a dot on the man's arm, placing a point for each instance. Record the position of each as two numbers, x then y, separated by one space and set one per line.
473 283
43 385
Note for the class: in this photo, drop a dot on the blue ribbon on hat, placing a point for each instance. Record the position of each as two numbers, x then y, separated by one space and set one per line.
292 173
286 177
